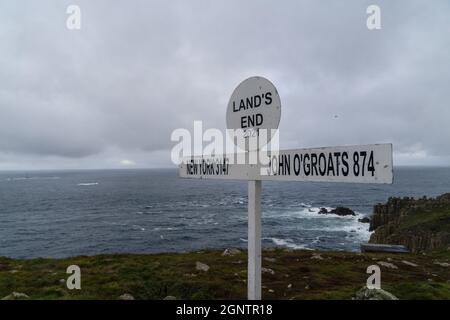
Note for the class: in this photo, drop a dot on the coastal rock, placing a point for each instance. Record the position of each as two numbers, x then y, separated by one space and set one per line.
364 220
201 266
231 252
316 256
387 265
190 275
16 296
442 264
267 270
340 211
409 263
126 296
418 224
270 259
374 294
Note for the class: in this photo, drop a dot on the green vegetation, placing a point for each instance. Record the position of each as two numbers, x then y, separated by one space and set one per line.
296 275
419 224
422 218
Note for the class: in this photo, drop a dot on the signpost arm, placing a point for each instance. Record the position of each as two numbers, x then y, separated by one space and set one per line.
254 240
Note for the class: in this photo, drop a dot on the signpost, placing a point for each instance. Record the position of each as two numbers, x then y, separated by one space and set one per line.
357 164
255 105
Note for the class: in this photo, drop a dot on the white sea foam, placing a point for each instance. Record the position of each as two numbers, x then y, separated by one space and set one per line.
164 229
354 230
289 243
305 213
138 227
306 205
88 184
31 178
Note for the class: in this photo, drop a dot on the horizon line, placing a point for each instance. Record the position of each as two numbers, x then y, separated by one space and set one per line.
174 167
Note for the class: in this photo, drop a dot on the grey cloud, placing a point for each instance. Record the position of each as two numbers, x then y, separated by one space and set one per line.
137 70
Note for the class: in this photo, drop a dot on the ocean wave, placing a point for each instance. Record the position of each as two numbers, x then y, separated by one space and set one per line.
354 230
88 184
164 229
288 243
31 178
305 213
137 227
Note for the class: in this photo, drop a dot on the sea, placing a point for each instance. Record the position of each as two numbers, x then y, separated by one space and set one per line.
67 213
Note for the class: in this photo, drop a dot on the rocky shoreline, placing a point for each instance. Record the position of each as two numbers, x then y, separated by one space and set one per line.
419 224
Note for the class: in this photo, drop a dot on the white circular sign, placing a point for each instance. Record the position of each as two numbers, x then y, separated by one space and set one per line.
253 113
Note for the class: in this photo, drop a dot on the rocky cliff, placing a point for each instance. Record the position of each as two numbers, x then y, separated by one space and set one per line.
419 224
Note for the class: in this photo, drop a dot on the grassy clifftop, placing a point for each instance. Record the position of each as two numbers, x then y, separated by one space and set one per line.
287 275
420 224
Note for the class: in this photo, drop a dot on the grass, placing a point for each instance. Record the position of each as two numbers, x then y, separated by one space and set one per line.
435 219
338 275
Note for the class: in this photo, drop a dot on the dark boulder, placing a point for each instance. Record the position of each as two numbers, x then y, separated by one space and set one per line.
364 220
323 211
342 211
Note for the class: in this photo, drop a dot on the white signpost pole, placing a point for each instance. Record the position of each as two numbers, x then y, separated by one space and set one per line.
254 240
254 105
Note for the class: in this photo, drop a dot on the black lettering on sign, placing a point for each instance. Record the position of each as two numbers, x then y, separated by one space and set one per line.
322 164
361 164
370 166
356 167
234 107
363 155
192 167
306 165
314 164
257 101
252 102
208 167
189 168
297 164
337 156
345 163
243 122
268 96
253 120
241 105
284 164
274 165
330 165
249 103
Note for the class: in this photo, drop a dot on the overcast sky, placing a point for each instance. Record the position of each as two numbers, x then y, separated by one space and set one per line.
109 95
